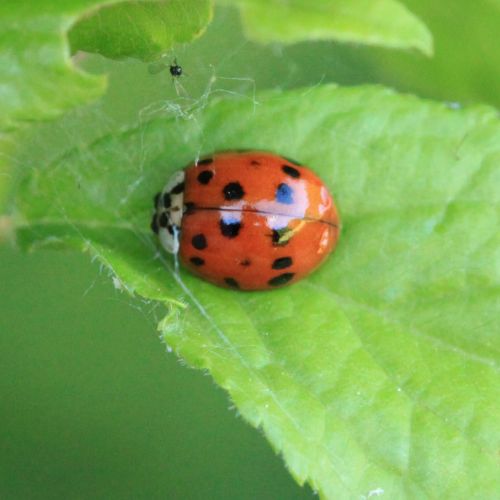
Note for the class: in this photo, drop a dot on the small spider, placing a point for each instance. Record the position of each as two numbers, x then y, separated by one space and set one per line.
175 69
158 66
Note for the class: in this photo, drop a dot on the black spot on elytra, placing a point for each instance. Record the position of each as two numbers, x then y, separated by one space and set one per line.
282 263
156 199
178 189
199 241
163 220
197 261
231 282
255 163
205 177
189 208
205 161
280 237
281 279
284 194
245 262
154 225
291 171
233 191
230 228
166 200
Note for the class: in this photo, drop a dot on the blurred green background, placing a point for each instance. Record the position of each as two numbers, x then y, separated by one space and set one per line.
94 407
92 404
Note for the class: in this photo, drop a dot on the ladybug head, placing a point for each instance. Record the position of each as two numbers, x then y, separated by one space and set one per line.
168 212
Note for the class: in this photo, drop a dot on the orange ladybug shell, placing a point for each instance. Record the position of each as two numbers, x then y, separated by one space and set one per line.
255 220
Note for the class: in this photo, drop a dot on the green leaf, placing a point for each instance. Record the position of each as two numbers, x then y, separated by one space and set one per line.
34 60
379 373
37 78
385 23
466 66
141 29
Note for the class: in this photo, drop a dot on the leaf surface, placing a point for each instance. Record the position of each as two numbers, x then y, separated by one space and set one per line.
141 29
385 23
380 371
38 80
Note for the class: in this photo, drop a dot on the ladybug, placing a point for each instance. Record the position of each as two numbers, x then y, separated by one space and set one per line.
247 220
